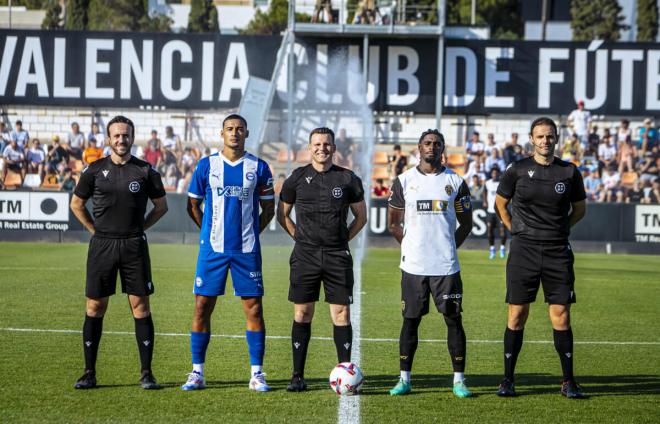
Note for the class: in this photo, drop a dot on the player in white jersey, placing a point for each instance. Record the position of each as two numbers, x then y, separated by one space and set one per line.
492 220
233 185
425 203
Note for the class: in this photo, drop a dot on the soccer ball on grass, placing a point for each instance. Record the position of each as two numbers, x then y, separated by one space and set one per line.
346 379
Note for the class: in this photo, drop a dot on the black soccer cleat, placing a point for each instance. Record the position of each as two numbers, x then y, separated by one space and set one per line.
506 389
571 390
87 381
148 381
297 384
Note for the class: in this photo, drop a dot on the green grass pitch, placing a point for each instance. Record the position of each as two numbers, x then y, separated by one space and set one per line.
42 288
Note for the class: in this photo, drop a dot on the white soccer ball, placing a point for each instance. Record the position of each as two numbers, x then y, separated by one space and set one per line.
346 379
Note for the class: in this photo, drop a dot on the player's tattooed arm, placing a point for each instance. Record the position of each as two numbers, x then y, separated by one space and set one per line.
578 210
359 211
159 209
283 217
395 222
501 204
195 211
80 211
267 213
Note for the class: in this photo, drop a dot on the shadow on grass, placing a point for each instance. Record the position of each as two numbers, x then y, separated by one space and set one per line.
594 386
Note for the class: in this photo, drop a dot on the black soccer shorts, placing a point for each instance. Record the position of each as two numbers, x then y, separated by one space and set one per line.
128 256
312 265
531 264
447 292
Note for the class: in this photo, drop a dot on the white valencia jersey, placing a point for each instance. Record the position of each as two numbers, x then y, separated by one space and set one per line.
491 193
431 202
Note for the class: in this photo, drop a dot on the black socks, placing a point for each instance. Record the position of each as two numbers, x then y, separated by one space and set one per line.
301 332
513 340
144 335
564 347
343 336
92 329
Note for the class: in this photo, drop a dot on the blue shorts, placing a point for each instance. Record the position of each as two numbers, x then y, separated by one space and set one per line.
211 274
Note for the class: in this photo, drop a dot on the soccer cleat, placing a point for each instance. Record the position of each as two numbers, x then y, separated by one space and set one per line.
195 381
502 252
402 388
491 253
571 389
258 382
148 381
461 390
506 389
297 384
87 381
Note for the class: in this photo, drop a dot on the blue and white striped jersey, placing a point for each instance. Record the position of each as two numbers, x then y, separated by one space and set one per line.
231 193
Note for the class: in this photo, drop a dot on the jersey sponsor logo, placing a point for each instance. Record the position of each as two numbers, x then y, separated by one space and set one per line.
560 188
530 173
249 176
269 182
449 189
105 173
337 192
451 296
198 281
134 186
432 206
233 191
255 274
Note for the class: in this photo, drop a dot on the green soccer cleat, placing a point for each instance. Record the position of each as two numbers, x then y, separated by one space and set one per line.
461 390
402 388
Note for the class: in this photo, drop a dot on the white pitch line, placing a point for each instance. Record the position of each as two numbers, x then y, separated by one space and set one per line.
358 339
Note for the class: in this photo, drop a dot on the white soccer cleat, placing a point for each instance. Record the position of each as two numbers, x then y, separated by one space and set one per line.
195 381
258 383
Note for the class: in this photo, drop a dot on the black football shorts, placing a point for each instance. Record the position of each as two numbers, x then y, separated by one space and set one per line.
312 265
128 256
447 292
531 264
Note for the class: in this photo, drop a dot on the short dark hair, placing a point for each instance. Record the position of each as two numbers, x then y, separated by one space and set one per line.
120 119
433 132
323 130
19 122
234 116
396 147
543 120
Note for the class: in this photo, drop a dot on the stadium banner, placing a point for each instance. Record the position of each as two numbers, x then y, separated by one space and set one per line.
30 211
209 71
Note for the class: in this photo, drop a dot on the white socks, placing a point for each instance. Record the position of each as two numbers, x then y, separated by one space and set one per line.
256 369
405 376
458 377
198 368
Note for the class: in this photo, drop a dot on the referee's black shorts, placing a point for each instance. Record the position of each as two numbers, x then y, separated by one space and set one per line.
310 265
128 256
531 264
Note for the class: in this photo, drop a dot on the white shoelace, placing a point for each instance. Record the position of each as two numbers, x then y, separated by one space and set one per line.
194 377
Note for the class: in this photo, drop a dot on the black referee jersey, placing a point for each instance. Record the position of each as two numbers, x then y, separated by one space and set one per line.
541 197
119 195
321 203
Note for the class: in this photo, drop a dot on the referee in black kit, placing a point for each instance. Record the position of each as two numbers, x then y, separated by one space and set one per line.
119 186
547 198
322 193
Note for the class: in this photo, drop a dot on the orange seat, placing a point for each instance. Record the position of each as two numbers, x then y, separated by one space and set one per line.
13 180
380 173
460 171
628 179
303 156
284 156
456 159
381 158
50 186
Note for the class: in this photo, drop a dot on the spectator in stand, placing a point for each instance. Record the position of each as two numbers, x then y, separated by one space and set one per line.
475 169
623 132
58 156
398 161
344 148
571 146
475 147
627 155
366 13
476 186
591 184
14 160
169 168
325 7
495 161
5 136
649 167
635 194
611 180
96 134
490 144
20 135
36 159
648 136
579 120
68 183
171 141
593 140
512 151
607 152
92 153
75 141
380 190
187 163
152 153
652 192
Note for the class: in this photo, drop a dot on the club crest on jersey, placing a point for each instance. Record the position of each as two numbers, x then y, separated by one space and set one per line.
249 176
134 186
560 188
337 192
449 189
